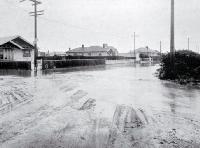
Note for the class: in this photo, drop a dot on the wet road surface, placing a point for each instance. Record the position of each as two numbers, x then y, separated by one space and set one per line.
112 106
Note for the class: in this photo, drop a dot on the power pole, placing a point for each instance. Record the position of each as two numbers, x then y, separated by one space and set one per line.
160 48
188 43
134 45
172 46
35 13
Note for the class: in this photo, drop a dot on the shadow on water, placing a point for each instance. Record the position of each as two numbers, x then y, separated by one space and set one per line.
20 73
147 64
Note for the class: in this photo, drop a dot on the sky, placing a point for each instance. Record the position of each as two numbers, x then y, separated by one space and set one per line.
71 23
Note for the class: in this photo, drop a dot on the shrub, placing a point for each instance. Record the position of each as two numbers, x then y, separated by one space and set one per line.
186 67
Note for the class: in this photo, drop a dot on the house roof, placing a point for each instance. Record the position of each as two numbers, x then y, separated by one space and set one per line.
13 40
89 49
144 50
4 40
126 54
92 49
113 48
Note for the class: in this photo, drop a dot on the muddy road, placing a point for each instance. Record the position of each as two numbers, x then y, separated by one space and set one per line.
103 107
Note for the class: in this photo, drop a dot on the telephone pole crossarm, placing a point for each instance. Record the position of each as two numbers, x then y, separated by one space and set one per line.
35 13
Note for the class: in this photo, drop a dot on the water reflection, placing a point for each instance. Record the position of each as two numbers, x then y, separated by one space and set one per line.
28 73
179 97
74 69
20 73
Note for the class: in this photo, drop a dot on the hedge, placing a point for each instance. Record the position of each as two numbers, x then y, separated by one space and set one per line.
186 67
51 64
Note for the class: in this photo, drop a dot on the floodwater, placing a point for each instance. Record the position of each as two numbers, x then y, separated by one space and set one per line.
77 108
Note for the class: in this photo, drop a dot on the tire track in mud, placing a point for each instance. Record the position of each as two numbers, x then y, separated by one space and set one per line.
127 128
13 95
9 130
135 128
16 94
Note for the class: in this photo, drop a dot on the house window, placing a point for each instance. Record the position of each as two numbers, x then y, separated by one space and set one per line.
89 54
100 54
27 53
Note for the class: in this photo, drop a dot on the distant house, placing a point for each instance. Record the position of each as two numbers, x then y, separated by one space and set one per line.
57 53
105 50
41 54
146 53
16 48
127 55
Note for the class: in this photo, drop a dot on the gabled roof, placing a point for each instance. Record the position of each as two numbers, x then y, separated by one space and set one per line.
92 49
4 40
113 49
89 49
126 54
12 39
144 50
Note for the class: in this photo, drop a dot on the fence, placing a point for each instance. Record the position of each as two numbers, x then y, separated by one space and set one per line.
85 57
21 65
51 64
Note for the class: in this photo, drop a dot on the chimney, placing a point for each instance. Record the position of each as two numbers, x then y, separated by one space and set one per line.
83 46
105 45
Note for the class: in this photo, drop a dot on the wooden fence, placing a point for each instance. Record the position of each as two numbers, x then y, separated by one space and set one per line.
21 65
52 64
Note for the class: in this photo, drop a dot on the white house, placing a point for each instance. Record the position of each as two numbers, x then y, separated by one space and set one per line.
16 48
144 53
93 51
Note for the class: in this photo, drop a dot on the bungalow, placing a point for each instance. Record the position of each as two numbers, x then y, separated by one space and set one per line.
145 53
93 51
16 48
127 55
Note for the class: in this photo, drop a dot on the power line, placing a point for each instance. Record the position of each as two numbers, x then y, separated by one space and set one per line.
114 35
81 28
68 24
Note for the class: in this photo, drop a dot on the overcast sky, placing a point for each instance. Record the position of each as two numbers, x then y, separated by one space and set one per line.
71 23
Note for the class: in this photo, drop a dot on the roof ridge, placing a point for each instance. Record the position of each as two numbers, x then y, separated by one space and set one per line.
4 40
7 39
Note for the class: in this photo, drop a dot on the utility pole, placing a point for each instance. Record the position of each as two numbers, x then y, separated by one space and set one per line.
160 48
35 13
172 46
188 43
198 49
134 45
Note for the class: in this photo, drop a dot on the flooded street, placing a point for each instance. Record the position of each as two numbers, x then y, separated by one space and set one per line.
92 108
